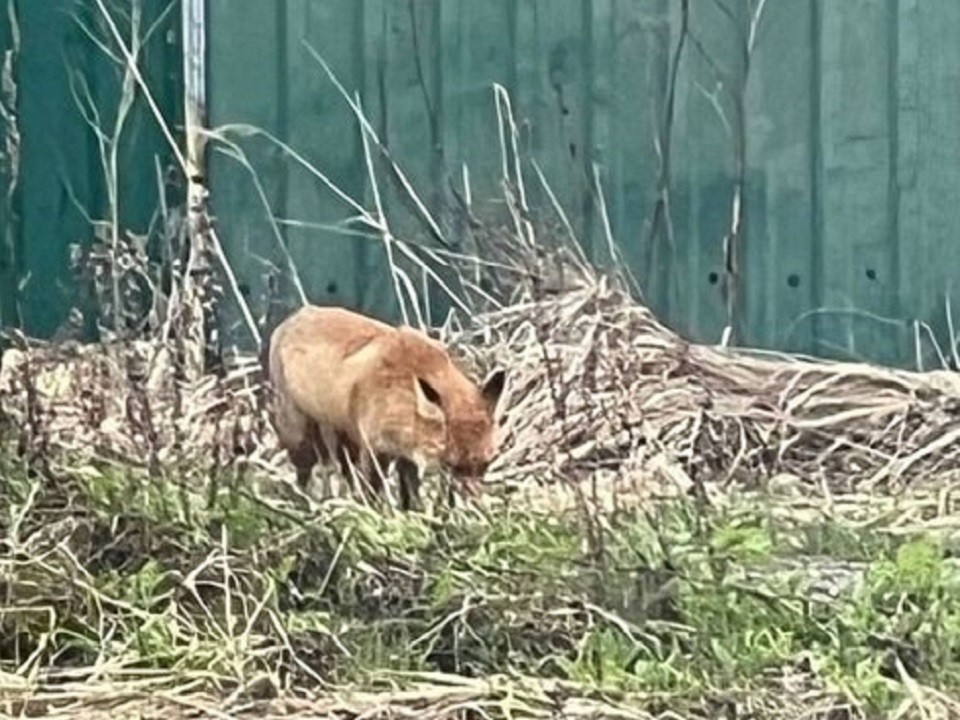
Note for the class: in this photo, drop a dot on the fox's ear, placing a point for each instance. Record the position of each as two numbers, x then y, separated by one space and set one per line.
493 388
428 399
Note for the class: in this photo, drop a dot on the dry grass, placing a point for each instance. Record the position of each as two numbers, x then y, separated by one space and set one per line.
434 696
152 561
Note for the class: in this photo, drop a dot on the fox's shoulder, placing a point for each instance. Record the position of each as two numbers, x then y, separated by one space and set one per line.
421 354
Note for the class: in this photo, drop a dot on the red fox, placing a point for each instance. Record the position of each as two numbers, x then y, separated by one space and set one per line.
350 388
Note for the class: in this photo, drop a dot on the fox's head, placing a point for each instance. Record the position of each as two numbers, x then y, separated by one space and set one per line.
430 424
457 427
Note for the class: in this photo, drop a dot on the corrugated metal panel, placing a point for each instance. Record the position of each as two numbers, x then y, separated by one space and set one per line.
851 157
53 163
424 72
850 165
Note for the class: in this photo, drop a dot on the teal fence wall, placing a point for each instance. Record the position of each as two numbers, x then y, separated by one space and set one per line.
51 173
837 118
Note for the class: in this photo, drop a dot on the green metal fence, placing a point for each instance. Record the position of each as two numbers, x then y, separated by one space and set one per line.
790 166
57 84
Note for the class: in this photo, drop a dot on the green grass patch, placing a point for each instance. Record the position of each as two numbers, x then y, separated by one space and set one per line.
109 565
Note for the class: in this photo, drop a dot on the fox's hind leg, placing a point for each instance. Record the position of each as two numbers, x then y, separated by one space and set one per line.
297 435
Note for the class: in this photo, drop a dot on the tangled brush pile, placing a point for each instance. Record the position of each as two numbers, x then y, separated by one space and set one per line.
600 385
131 402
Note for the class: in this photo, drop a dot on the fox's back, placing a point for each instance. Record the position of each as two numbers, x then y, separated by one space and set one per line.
310 353
321 355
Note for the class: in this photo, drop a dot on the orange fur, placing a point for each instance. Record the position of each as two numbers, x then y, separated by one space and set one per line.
354 389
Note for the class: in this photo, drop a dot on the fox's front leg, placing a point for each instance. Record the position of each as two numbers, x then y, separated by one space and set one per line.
409 477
